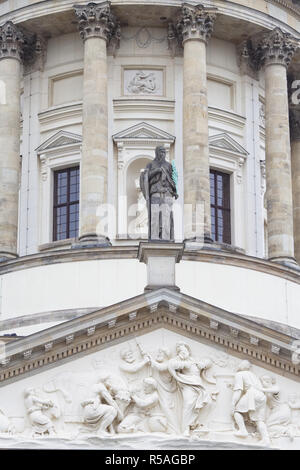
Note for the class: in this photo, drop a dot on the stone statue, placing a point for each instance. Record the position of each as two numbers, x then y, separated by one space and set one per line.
100 410
159 188
36 407
249 400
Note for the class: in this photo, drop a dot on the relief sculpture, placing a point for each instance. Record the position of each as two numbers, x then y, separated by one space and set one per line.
167 391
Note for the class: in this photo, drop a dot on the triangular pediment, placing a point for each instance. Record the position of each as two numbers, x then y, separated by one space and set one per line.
225 142
145 312
143 131
60 139
118 352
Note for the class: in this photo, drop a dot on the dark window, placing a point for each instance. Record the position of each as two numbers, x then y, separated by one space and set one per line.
220 206
66 203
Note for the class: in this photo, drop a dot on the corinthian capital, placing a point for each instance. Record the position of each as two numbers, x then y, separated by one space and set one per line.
97 20
276 47
195 22
11 41
295 123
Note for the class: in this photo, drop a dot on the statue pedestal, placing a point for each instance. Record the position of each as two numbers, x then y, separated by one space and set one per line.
160 259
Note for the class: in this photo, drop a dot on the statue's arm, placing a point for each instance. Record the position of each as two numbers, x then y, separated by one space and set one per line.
145 402
159 366
154 172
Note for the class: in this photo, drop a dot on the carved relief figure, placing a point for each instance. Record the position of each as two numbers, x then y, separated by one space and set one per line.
167 387
145 413
159 188
162 392
36 407
186 371
118 389
130 363
142 83
100 410
249 400
5 425
280 414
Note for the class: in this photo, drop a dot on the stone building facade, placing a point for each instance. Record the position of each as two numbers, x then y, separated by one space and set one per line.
87 92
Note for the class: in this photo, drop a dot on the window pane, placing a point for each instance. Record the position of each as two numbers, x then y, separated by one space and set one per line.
66 203
220 206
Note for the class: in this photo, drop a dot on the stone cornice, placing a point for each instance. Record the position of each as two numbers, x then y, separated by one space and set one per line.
11 41
57 256
160 309
194 22
287 4
97 20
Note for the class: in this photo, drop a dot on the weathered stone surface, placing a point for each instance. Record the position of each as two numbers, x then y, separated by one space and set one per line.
195 133
295 157
11 41
97 27
274 51
97 20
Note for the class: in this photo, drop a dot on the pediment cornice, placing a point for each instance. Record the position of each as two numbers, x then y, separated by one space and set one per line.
143 131
58 140
161 308
226 143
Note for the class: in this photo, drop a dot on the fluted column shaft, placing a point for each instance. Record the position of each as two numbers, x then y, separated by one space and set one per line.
276 52
195 27
11 42
97 26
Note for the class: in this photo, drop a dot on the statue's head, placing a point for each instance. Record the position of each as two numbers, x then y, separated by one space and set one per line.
267 380
183 350
162 355
244 365
128 356
150 385
160 153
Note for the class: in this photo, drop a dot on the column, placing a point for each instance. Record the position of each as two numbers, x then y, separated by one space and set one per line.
97 26
195 27
295 147
275 52
11 44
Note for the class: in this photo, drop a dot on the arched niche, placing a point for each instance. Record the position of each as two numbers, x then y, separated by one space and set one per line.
137 216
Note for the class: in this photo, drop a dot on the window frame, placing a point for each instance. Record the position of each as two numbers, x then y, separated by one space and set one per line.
226 196
68 204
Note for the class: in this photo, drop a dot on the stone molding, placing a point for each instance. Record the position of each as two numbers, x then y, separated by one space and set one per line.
97 20
217 255
12 41
155 310
195 22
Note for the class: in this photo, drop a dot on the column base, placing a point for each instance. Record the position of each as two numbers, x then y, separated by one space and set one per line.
286 261
160 259
91 241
